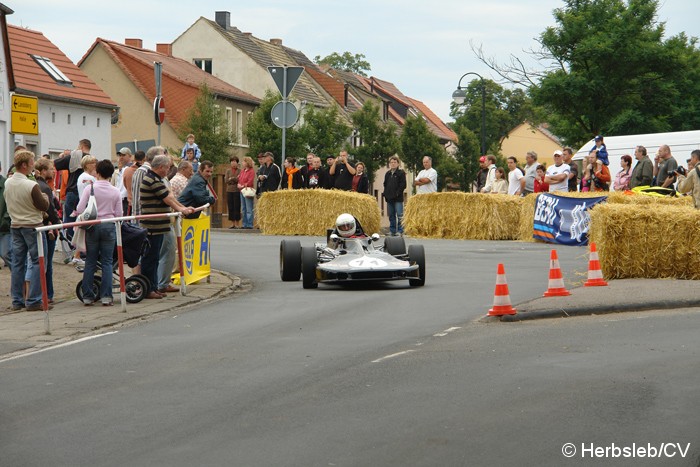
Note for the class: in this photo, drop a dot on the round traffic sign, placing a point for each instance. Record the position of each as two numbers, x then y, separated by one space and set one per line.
159 110
284 114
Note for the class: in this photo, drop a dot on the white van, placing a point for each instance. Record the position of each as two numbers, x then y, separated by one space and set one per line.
680 142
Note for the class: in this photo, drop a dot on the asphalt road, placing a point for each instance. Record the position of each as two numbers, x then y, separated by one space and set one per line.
386 375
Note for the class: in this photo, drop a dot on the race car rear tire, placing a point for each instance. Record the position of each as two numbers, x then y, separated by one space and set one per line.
290 260
416 254
394 245
309 261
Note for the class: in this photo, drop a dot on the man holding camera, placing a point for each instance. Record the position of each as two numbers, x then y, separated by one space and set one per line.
342 171
665 176
690 180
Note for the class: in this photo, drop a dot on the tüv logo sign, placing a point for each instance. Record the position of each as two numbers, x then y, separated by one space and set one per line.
188 246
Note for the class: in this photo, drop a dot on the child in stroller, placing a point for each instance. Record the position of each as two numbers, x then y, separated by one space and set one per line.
134 245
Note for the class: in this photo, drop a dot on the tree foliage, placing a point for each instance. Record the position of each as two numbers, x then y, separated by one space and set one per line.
321 131
347 62
505 109
467 157
379 138
208 123
417 141
608 70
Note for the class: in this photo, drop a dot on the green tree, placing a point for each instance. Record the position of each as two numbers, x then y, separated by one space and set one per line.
347 62
606 69
467 158
323 131
208 123
505 109
418 141
379 138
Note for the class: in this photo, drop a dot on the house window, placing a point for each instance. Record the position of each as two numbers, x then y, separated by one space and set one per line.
239 126
229 123
98 122
203 63
53 71
69 119
53 117
84 120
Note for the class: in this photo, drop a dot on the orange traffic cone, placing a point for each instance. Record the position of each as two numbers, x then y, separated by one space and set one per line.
501 297
556 281
595 275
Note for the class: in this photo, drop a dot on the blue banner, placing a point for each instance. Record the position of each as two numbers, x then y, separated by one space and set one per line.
559 219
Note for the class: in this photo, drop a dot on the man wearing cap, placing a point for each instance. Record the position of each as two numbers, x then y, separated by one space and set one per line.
527 183
491 176
123 161
602 153
269 174
557 175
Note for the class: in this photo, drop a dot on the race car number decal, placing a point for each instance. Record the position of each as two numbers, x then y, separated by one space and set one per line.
367 262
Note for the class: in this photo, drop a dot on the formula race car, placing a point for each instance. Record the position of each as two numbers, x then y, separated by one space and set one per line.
345 260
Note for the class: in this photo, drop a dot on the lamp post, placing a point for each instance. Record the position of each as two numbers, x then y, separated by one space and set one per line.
459 96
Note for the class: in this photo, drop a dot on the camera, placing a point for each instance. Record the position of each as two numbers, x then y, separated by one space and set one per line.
681 170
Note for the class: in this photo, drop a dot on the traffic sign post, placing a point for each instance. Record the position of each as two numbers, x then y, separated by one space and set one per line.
25 115
284 114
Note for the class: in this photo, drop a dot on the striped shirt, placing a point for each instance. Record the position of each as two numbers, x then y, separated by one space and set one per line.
152 193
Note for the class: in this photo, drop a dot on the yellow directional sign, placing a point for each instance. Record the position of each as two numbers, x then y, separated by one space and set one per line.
25 114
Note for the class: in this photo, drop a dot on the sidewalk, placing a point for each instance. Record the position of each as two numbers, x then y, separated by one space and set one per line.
70 319
619 296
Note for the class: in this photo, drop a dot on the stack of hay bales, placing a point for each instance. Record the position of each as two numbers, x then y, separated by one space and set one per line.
637 240
311 212
458 215
614 197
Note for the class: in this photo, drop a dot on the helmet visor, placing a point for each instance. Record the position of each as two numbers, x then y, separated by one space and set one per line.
347 227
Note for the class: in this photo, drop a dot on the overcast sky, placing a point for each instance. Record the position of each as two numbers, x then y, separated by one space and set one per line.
420 46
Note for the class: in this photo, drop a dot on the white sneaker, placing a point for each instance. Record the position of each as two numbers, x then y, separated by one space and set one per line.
77 262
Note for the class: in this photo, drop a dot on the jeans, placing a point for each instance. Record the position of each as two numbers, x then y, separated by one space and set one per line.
23 243
69 206
167 260
149 261
49 249
247 207
99 243
395 211
5 250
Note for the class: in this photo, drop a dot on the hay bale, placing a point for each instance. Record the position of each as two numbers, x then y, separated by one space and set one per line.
614 197
635 241
458 215
311 212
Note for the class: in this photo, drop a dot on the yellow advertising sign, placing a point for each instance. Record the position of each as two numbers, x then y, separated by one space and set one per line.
25 114
195 248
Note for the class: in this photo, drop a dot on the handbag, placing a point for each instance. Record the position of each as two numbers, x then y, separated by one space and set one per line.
248 192
90 212
79 239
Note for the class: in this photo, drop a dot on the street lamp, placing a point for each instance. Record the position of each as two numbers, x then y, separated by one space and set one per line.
460 95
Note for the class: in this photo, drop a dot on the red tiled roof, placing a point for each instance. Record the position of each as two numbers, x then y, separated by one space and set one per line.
443 131
180 82
30 78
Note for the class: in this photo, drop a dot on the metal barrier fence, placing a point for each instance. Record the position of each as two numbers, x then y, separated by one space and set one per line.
117 221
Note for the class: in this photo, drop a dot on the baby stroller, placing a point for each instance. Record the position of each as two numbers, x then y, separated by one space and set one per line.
134 244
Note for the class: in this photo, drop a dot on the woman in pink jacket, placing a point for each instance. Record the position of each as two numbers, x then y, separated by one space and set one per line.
246 182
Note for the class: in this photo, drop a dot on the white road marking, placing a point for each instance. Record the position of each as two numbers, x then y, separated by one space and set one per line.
53 347
446 332
394 355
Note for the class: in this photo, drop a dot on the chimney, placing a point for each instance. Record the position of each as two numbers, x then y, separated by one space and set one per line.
223 19
276 41
247 34
134 43
165 49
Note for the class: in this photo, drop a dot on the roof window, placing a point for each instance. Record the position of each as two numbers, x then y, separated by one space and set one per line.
50 68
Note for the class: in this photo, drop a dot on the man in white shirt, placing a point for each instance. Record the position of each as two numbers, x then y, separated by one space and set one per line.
426 180
514 176
491 177
558 174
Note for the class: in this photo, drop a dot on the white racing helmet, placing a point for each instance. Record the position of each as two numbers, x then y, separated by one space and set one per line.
345 225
